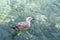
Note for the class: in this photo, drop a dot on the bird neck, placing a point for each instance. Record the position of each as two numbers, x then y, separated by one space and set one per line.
28 21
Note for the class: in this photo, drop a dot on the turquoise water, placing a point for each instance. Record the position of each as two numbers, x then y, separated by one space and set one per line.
46 25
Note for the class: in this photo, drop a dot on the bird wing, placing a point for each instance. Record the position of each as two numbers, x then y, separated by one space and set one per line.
21 25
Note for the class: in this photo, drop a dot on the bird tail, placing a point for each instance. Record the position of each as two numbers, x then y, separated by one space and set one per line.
13 28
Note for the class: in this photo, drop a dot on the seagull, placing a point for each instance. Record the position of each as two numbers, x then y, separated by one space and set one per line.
24 25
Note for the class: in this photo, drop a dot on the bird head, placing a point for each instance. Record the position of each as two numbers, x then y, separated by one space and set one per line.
29 19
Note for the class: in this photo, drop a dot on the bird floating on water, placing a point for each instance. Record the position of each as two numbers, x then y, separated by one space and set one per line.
24 25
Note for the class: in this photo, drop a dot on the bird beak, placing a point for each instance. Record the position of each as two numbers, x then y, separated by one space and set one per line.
33 19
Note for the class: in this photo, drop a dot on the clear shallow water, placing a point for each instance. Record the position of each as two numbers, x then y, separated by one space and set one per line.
45 27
